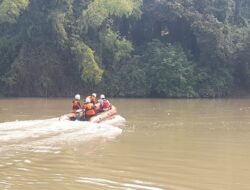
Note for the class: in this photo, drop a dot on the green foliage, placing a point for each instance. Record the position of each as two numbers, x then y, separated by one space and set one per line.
116 49
8 52
169 73
166 48
89 69
128 80
11 9
33 63
242 66
58 21
213 84
99 10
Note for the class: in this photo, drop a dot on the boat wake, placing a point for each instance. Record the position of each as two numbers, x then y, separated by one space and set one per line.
46 135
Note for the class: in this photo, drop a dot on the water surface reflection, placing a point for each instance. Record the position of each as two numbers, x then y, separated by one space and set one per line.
166 144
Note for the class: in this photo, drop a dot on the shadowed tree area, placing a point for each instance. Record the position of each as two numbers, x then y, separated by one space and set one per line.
124 48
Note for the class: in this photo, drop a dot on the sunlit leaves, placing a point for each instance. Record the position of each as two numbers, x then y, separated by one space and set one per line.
118 48
11 9
100 10
89 69
58 21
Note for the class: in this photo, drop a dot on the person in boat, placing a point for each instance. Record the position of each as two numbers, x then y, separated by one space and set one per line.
92 98
104 103
89 109
76 107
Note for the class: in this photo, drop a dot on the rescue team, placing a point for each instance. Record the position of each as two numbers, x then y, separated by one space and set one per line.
90 107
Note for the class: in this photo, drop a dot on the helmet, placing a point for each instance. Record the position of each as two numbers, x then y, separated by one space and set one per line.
102 96
77 97
88 100
94 94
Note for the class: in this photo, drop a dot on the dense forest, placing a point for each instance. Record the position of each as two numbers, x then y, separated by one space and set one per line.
125 48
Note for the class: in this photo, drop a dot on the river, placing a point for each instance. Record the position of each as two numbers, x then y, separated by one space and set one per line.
164 144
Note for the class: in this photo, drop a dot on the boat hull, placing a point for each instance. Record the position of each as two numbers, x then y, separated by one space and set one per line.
101 116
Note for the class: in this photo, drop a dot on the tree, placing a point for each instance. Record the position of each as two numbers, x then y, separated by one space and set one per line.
169 73
11 10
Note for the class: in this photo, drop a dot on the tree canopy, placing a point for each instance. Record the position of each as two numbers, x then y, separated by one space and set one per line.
128 48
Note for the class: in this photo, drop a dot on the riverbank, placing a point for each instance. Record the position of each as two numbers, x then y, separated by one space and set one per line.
235 93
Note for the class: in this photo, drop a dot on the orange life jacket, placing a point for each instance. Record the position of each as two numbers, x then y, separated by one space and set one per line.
92 99
89 109
76 105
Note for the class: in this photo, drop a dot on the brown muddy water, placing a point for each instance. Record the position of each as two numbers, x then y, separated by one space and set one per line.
164 144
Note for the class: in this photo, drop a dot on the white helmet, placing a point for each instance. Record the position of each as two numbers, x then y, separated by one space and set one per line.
88 100
77 97
102 96
94 94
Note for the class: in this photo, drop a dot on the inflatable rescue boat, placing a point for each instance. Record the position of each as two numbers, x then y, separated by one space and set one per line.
105 115
99 117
